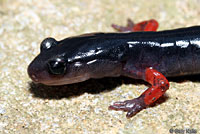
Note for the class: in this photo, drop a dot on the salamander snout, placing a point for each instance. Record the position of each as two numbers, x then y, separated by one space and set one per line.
37 71
31 72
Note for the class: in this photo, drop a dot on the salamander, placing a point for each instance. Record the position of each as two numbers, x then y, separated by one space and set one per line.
142 54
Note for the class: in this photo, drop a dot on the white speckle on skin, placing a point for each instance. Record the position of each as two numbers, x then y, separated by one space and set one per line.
100 51
153 43
182 43
120 55
77 64
157 74
167 44
90 62
48 45
76 57
91 52
195 42
131 43
162 82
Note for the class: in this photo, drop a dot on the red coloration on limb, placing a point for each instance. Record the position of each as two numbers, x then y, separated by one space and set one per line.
148 25
159 86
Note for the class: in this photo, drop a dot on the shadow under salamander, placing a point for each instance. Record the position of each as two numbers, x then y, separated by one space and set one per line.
95 86
91 86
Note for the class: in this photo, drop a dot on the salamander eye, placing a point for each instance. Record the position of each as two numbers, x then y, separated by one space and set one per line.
47 44
57 66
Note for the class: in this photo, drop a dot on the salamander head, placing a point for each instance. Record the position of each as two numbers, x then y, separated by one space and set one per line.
51 67
77 59
69 61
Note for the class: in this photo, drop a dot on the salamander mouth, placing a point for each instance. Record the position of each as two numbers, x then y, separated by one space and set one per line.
65 80
43 77
39 73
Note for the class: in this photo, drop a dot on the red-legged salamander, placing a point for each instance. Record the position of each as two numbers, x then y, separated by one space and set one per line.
150 56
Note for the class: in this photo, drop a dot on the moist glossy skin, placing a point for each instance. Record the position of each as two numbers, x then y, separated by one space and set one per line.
86 56
173 53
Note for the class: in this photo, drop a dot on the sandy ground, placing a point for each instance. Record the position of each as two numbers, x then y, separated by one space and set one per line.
26 108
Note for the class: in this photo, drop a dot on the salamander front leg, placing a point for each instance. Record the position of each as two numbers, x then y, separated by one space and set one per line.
148 25
159 85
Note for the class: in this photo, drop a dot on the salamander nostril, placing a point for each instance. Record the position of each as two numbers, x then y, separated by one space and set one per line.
32 73
34 78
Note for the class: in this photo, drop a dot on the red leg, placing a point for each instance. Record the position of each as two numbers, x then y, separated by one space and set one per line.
149 25
159 85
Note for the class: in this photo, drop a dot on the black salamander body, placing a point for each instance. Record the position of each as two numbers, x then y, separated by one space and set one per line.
75 59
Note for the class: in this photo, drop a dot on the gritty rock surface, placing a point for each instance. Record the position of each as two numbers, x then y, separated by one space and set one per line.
26 108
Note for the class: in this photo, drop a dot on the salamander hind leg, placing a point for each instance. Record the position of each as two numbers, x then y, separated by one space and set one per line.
148 25
159 85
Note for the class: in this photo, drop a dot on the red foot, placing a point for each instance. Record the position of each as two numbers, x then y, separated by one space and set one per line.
149 25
